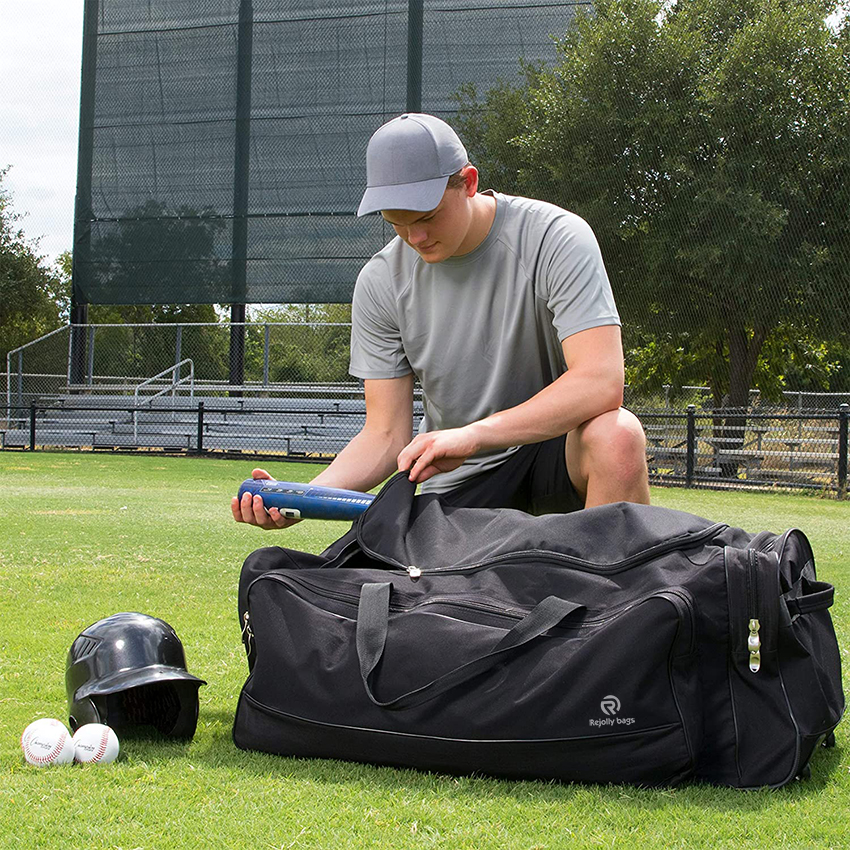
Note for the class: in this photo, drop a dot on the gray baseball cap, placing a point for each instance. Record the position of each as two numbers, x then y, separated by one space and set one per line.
408 163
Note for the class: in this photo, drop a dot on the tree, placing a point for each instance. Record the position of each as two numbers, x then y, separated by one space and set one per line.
708 144
142 348
309 353
33 297
155 253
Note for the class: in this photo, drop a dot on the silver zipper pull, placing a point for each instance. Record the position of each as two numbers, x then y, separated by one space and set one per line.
413 572
247 634
754 646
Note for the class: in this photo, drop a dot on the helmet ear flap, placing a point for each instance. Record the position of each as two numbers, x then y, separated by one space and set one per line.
84 711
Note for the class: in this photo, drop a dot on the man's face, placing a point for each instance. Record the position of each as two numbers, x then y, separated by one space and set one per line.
437 234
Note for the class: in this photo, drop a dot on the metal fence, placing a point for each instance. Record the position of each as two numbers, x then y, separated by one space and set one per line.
735 449
165 388
278 357
743 449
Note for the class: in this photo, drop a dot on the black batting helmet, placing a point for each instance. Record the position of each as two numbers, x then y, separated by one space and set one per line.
128 671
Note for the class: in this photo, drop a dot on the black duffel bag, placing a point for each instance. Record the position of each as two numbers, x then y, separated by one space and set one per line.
622 643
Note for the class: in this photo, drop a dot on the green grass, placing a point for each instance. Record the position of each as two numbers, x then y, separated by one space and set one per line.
84 536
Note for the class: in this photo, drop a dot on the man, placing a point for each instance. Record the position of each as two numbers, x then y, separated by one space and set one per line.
485 298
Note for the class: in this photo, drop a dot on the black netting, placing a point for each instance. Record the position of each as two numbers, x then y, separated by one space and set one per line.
156 217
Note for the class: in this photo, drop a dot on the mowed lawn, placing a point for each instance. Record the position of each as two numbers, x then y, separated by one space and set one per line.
83 536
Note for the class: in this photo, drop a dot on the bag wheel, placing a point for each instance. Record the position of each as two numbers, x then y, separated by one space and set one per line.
805 773
829 740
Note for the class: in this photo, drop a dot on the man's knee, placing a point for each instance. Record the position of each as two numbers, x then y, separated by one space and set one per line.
613 441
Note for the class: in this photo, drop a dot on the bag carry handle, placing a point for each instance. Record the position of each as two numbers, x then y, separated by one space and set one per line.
373 622
819 596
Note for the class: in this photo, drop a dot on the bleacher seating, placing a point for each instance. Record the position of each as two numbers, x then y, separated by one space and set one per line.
311 426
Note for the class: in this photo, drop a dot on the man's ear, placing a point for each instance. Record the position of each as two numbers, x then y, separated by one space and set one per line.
470 175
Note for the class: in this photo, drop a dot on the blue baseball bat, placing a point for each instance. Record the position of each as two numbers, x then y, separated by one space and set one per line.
307 501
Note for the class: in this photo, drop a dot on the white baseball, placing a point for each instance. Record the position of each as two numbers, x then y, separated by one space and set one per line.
48 743
95 743
40 724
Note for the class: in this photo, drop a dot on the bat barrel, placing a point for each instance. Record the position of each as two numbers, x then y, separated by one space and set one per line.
306 501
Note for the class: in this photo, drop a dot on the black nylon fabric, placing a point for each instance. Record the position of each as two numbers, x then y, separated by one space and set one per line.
604 537
609 645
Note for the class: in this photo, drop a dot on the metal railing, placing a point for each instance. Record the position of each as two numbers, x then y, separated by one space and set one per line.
176 381
119 357
173 388
18 355
115 358
749 450
302 402
732 449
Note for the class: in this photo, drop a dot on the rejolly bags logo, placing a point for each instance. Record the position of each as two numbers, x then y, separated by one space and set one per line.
611 706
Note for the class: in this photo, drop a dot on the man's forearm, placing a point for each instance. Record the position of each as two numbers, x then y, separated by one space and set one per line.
591 386
364 463
557 409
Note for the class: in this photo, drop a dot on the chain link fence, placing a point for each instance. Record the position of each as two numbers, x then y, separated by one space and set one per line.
166 388
222 157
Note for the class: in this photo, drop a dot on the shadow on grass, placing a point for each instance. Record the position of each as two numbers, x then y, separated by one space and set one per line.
217 750
146 743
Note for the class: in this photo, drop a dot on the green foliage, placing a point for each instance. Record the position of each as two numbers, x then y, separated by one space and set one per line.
708 144
674 360
129 350
102 534
799 360
33 297
789 358
301 352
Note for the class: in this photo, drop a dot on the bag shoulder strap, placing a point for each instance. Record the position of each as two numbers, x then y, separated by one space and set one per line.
373 626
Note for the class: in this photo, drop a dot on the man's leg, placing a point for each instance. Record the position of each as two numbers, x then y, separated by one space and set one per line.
533 479
606 459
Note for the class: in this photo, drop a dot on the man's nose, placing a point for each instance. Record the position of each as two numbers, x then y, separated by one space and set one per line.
416 235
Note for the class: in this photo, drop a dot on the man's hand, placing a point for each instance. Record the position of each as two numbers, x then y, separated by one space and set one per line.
250 509
437 451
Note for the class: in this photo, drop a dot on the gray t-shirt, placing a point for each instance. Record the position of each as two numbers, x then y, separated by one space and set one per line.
481 332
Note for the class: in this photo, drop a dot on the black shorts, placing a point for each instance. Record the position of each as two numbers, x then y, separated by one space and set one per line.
533 479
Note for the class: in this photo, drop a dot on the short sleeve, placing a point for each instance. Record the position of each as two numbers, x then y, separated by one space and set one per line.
376 346
572 277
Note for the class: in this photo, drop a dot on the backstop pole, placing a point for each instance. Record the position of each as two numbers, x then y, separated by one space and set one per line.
415 26
83 212
239 254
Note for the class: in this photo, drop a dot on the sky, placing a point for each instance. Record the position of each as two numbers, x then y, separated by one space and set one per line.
40 65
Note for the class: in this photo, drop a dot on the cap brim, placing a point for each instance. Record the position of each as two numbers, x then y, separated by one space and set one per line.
125 679
421 197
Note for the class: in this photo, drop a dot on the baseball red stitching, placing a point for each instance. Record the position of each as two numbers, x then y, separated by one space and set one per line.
104 740
47 757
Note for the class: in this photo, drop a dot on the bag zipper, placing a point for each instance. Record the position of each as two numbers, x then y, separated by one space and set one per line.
247 633
682 600
753 609
397 607
415 572
678 597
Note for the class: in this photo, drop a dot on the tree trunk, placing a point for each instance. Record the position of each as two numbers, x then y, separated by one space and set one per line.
743 355
744 351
